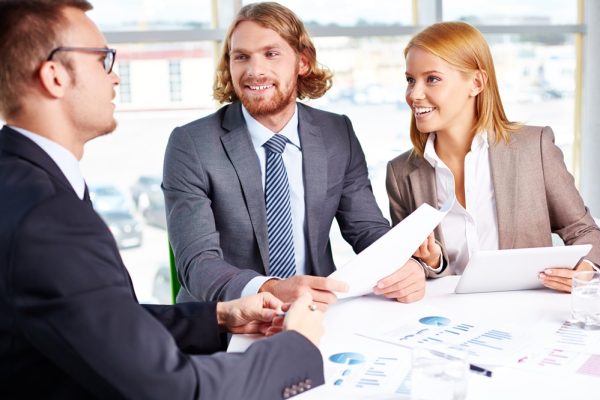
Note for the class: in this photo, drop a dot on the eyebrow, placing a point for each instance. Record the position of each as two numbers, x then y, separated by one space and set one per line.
264 48
433 71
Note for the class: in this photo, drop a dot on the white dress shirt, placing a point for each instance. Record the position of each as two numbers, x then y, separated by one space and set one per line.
292 159
475 227
66 161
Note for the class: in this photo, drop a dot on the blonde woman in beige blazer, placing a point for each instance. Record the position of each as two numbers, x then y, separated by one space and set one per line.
513 176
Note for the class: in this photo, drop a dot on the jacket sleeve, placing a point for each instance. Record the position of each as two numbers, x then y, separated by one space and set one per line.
360 219
193 325
74 303
569 217
201 268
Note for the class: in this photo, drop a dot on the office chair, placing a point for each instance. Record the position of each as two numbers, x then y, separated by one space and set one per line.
175 284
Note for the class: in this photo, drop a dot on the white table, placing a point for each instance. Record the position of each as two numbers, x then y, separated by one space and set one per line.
520 308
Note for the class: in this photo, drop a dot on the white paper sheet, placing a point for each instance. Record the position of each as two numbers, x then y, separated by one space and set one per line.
569 349
391 251
358 365
485 344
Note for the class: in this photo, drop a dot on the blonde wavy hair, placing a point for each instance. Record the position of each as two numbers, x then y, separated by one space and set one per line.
464 48
282 20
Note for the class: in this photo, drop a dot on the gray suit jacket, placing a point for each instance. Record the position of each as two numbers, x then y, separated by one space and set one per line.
216 208
535 194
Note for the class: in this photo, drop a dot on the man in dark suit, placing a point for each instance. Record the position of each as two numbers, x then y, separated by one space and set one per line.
216 176
70 324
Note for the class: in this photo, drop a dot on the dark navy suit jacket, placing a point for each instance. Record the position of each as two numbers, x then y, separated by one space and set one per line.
70 324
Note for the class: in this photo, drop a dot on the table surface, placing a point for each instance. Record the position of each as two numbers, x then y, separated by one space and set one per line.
529 308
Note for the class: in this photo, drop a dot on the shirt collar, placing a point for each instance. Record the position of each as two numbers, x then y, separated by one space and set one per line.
259 134
64 159
480 142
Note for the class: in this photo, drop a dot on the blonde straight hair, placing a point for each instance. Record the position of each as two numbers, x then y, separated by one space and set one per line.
464 48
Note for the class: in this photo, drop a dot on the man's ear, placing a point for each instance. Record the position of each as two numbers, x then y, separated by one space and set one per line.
303 64
54 78
479 81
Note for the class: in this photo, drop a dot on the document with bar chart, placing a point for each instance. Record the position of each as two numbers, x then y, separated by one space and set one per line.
491 345
359 365
568 349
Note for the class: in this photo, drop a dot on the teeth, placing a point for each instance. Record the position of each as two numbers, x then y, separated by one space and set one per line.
260 87
423 110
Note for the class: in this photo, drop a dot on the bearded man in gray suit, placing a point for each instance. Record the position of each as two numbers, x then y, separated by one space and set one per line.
226 234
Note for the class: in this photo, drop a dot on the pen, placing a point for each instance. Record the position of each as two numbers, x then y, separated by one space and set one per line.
480 370
475 368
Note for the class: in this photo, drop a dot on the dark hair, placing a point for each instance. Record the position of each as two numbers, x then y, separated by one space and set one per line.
29 30
282 20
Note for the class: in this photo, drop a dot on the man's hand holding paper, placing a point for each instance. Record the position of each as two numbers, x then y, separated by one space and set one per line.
321 289
406 285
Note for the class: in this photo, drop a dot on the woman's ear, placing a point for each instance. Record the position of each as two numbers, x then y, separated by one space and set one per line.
479 82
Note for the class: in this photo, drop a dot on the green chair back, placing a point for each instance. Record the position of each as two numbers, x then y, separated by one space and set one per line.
175 284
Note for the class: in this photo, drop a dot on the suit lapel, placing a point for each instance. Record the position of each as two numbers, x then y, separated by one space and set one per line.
503 164
14 143
239 148
422 182
314 160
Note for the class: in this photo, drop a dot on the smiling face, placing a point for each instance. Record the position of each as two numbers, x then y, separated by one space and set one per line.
264 70
441 97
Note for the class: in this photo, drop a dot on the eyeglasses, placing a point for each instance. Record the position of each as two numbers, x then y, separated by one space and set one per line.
109 54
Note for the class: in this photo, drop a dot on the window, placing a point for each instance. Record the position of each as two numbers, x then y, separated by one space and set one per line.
125 85
175 81
166 59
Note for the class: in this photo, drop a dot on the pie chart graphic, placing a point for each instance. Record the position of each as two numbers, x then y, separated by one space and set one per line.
435 321
347 358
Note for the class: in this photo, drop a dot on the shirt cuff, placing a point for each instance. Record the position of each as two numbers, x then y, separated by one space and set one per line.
426 267
254 285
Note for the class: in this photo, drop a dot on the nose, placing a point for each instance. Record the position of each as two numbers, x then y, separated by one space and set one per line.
256 67
115 78
414 92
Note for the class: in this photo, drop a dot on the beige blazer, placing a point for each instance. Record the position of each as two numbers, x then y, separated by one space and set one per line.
535 194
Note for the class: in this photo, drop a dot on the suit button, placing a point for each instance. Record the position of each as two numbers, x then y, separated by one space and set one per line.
308 384
286 393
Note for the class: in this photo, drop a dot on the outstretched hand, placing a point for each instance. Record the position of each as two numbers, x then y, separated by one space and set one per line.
320 288
250 314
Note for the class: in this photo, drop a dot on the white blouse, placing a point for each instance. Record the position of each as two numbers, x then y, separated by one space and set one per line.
475 227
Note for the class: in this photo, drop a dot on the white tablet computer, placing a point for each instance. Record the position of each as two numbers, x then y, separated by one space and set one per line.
515 269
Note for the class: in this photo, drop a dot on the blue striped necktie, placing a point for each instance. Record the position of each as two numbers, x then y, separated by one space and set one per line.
279 215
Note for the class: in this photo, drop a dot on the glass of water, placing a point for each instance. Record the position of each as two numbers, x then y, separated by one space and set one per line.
438 374
585 299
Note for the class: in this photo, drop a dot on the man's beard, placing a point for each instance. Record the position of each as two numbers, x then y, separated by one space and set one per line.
259 106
